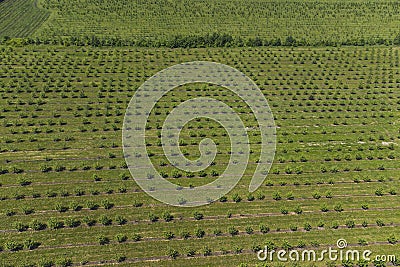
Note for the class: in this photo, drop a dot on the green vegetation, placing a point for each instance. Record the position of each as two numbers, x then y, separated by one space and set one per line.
64 107
66 196
20 18
308 22
207 23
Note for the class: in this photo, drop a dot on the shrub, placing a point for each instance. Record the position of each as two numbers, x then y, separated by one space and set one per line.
276 196
54 224
380 223
284 211
237 250
120 258
172 253
206 251
362 242
124 176
270 245
286 245
121 238
298 210
30 244
350 224
167 216
338 208
10 213
379 192
92 205
316 195
250 197
255 248
392 239
367 179
202 174
197 215
75 206
24 181
301 244
120 220
169 235
335 225
103 240
307 226
223 199
79 192
364 206
185 234
107 204
236 198
13 246
95 192
36 225
136 237
249 230
137 204
19 196
269 183
264 229
199 233
217 232
45 168
190 252
60 207
393 191
20 227
72 222
3 170
176 174
59 168
89 221
104 220
96 178
153 218
233 231
324 208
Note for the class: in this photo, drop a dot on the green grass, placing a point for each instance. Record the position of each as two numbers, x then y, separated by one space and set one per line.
309 22
335 173
61 115
20 18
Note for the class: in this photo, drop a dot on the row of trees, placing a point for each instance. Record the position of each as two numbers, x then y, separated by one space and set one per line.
192 41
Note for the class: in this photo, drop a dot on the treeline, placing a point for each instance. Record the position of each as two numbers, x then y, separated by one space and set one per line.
192 41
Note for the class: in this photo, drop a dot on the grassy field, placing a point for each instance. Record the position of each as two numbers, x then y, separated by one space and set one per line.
313 21
67 197
334 175
157 22
20 18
